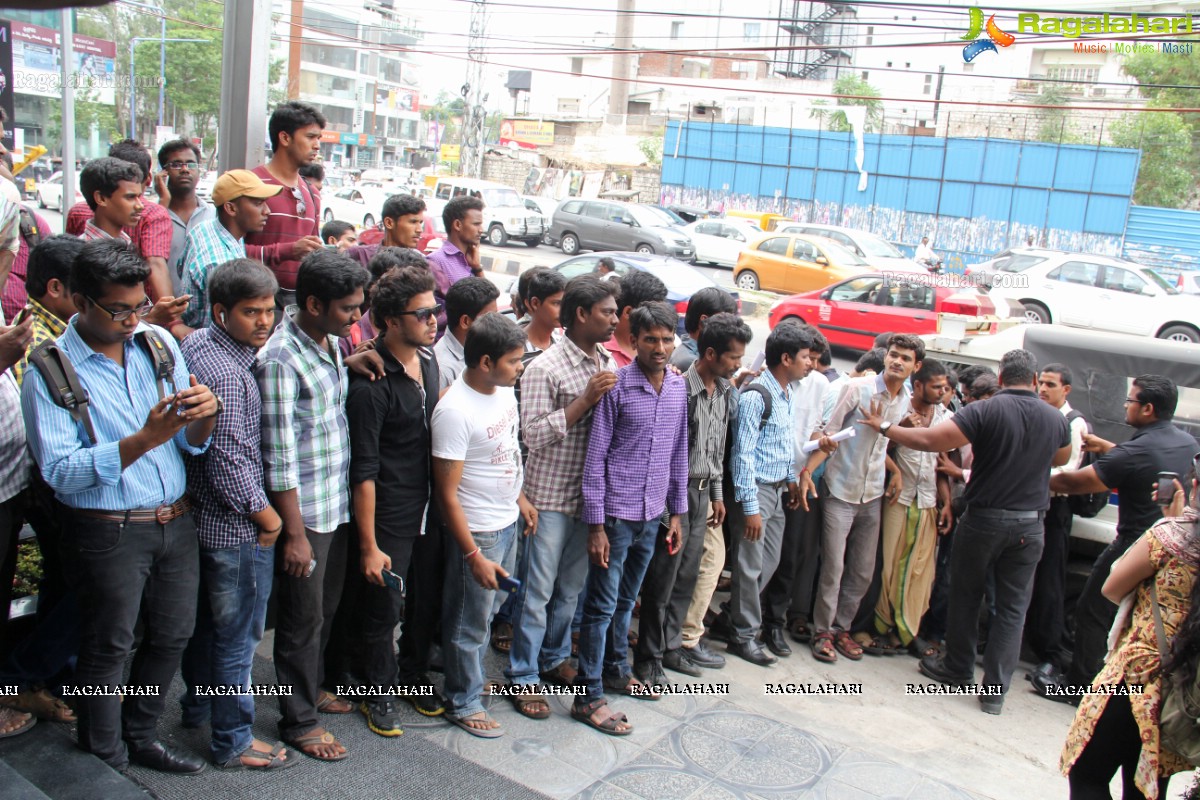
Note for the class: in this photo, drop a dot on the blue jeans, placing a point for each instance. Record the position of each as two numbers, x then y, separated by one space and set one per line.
604 636
466 610
235 583
552 576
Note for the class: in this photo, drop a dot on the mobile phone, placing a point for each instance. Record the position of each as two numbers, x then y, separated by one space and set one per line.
510 585
312 566
1165 490
392 580
22 315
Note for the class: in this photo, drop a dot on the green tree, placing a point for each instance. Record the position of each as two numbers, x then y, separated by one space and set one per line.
1053 124
1169 81
1164 176
861 94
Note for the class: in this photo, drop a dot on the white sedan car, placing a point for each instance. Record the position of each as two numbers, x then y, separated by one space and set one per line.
49 192
1102 293
361 206
721 241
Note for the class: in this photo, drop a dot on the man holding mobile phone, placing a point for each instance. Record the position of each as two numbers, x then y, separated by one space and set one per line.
477 479
390 473
237 524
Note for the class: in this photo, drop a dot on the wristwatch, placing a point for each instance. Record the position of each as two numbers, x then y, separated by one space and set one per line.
884 427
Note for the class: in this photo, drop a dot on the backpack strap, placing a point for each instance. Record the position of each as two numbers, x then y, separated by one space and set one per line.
759 389
161 357
29 228
63 383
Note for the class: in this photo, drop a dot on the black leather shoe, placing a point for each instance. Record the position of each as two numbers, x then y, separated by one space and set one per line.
702 656
774 639
721 628
165 758
753 652
934 667
650 673
677 661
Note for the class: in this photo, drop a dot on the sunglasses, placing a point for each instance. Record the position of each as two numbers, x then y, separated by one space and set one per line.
423 314
120 316
299 198
189 165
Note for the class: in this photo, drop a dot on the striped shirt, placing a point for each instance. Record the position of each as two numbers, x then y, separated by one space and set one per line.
637 452
226 483
305 434
46 326
93 232
10 225
551 382
855 472
708 424
273 244
14 455
179 231
87 476
449 266
151 235
919 468
762 455
14 296
209 245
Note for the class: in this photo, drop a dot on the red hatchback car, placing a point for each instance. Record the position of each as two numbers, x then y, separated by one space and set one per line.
853 312
433 234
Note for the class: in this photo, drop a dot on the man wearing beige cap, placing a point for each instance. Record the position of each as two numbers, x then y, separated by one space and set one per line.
241 200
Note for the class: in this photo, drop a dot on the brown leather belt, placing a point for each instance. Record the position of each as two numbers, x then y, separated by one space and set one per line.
162 515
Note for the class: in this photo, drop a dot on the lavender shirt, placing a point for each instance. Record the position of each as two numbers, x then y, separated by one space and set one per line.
637 459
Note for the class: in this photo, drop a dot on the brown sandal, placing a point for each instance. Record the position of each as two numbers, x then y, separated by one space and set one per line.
502 638
630 686
822 647
43 705
846 645
329 703
530 702
563 675
314 740
599 715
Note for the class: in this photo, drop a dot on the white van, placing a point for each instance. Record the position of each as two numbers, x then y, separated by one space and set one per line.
504 213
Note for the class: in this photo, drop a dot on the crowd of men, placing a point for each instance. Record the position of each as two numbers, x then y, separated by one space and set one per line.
201 404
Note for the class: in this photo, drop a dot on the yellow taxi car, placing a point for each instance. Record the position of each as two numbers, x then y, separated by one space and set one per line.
795 263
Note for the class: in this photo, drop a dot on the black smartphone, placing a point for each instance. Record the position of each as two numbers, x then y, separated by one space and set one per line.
22 315
392 580
1165 491
510 585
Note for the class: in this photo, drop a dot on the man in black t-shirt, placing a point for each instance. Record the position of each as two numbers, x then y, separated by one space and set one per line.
1015 438
1132 469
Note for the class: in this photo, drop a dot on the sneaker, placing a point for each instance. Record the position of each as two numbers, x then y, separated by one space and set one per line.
428 701
382 716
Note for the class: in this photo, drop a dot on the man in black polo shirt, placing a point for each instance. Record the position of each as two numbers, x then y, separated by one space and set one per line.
1132 469
1015 438
390 471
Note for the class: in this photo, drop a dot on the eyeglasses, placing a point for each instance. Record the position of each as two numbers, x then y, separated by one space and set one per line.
141 310
423 314
299 198
190 165
1134 402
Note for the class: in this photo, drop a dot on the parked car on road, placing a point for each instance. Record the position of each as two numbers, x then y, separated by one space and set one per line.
1103 293
358 205
49 192
876 251
721 241
1188 282
611 225
504 213
794 263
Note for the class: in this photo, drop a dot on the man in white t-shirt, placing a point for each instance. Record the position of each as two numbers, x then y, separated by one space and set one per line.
477 481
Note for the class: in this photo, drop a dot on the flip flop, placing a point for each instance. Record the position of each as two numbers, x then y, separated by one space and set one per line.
274 761
43 705
12 715
530 702
326 702
482 733
308 740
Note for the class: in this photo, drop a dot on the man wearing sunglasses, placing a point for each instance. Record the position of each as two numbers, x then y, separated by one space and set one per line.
179 169
293 229
1131 468
126 518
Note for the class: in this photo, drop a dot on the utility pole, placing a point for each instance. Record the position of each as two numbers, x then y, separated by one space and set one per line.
295 49
937 96
67 58
243 118
471 152
622 70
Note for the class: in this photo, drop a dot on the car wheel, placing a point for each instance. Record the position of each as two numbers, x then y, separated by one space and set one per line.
792 318
328 215
369 221
1180 333
748 281
496 236
41 200
645 249
1036 313
569 244
532 242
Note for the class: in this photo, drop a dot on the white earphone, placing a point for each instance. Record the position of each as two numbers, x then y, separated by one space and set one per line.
222 317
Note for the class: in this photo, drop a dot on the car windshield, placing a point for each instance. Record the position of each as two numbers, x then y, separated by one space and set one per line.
874 246
650 217
843 256
502 198
1159 281
675 218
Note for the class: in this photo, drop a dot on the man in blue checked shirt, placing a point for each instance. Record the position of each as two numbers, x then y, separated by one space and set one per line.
126 514
763 470
237 524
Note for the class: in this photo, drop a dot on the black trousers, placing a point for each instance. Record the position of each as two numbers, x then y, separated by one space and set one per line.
382 607
801 549
1116 743
11 519
1094 616
669 582
127 571
307 607
1045 623
423 604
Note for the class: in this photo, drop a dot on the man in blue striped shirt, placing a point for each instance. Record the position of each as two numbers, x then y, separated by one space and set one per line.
763 469
126 515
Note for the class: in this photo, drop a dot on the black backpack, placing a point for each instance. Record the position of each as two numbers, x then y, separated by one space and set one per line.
63 382
29 229
1085 505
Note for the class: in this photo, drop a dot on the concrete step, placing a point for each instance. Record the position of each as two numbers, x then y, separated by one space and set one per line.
47 761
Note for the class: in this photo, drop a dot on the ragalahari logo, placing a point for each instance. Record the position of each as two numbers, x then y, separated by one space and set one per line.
995 36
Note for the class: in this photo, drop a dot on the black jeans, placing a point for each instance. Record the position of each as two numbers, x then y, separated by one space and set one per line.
382 607
670 579
1009 548
1116 743
127 570
1045 625
423 603
799 550
306 610
1094 615
934 623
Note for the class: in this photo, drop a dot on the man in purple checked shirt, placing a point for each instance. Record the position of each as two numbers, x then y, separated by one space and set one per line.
458 258
636 468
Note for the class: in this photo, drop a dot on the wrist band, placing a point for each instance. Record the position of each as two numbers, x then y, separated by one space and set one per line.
471 554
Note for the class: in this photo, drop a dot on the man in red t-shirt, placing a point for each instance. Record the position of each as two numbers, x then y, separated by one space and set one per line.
293 229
